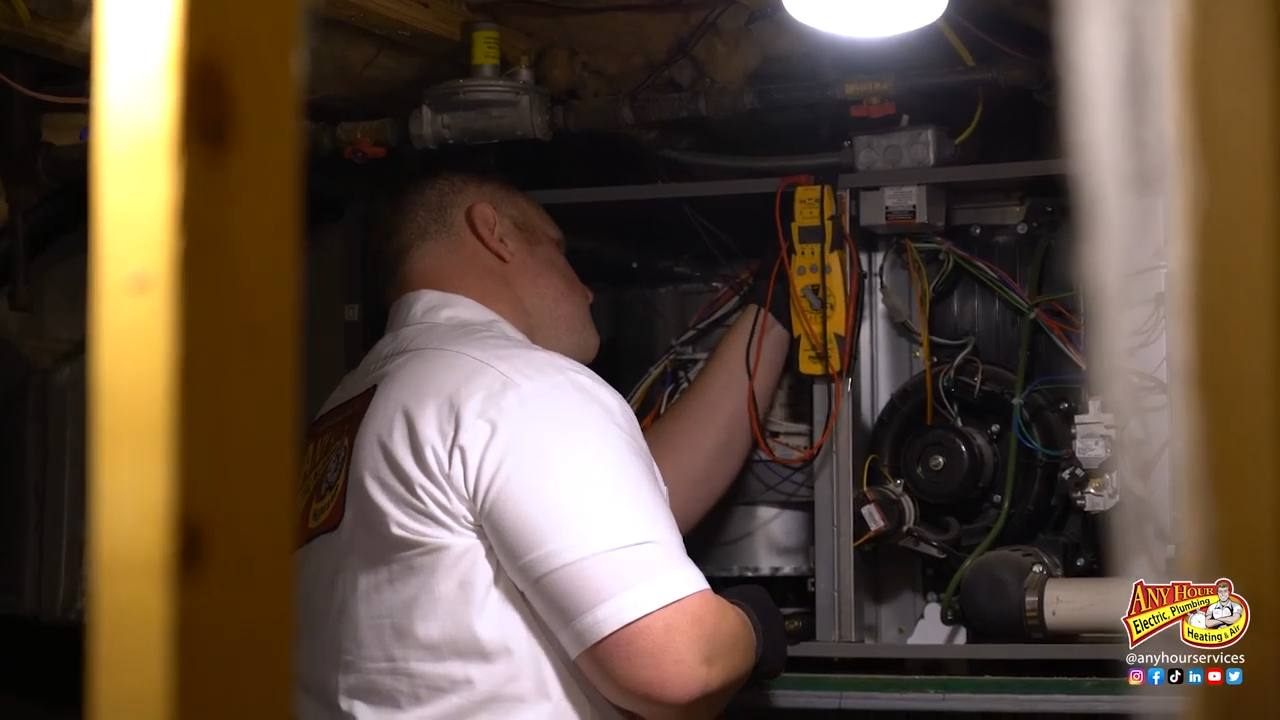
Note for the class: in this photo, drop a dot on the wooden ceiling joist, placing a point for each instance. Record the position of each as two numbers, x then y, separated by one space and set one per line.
421 24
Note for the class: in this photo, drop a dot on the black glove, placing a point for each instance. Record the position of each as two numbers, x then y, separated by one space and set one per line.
779 303
766 620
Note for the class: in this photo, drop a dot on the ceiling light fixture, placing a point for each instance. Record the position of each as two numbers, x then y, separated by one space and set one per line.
866 19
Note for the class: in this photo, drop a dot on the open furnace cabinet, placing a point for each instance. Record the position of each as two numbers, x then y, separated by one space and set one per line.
946 548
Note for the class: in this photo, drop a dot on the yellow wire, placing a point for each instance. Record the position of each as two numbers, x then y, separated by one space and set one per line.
920 279
967 57
24 14
866 470
644 391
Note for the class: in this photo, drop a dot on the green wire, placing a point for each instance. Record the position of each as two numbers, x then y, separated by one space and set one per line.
1007 294
1011 472
20 7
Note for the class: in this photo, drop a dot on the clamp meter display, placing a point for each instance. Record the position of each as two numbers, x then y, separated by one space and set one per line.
819 290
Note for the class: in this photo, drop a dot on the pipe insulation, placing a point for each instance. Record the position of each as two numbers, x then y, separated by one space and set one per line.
1085 606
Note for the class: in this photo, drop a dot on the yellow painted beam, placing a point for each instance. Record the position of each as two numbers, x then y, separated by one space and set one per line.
1233 63
193 357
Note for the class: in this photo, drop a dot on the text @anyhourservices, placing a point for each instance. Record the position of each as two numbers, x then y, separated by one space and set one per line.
1163 659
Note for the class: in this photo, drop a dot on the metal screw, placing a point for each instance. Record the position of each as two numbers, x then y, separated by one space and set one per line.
994 429
915 353
1037 568
975 230
996 498
1079 562
1064 406
1022 228
937 462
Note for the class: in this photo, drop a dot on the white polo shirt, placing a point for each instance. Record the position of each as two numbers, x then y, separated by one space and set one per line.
475 512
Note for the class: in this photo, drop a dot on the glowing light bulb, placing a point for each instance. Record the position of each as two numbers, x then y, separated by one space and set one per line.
866 18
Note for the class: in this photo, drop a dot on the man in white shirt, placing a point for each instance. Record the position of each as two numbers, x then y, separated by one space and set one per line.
485 530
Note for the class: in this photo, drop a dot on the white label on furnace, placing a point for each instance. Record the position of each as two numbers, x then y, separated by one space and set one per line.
903 196
875 520
1091 448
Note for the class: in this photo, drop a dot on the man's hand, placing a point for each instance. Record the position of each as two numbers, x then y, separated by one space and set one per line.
768 625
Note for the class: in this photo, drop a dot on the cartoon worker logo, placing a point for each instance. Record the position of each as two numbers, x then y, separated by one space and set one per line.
1220 614
1208 616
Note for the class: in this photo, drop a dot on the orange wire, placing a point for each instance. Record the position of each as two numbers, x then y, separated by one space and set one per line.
920 283
55 99
653 413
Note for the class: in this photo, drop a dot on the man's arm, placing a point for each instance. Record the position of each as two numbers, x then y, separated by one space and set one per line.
701 442
1236 613
563 487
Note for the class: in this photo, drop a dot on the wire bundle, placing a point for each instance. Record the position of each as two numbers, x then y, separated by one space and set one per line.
1065 329
1020 428
680 364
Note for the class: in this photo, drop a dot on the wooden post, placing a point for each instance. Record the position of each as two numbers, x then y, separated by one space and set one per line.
193 357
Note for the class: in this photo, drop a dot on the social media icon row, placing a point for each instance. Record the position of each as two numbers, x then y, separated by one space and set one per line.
1190 676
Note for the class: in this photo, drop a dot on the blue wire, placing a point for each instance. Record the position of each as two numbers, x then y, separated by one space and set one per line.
1020 429
790 477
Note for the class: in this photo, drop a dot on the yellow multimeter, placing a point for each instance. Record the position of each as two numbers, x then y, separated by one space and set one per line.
819 291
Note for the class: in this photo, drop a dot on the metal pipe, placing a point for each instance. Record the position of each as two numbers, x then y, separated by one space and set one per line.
614 114
775 164
1084 606
864 87
334 138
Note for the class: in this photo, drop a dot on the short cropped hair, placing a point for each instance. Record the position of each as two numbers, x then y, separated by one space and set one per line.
430 208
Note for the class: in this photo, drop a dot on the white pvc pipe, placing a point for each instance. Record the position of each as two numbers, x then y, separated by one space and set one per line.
1083 606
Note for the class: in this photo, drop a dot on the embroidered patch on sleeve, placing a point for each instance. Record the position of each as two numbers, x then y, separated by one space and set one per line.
325 464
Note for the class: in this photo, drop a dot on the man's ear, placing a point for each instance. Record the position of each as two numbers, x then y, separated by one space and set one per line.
489 228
